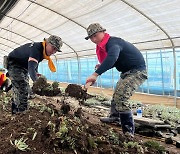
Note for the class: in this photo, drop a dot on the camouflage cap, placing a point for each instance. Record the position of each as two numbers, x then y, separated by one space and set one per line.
56 41
94 28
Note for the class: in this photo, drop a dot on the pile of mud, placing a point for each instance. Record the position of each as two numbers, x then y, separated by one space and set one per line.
45 128
78 92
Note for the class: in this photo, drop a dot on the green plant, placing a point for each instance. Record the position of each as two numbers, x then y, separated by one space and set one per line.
37 123
4 99
134 145
55 84
43 108
114 137
106 103
155 145
51 126
62 90
101 98
79 129
163 112
31 131
48 88
71 142
134 103
20 144
100 139
91 142
63 137
34 135
63 130
92 101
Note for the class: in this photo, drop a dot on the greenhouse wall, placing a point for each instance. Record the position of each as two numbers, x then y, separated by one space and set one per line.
160 66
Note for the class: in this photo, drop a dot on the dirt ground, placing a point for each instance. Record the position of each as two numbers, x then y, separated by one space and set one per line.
49 126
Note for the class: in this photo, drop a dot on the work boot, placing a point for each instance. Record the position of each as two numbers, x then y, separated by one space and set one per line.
22 107
14 108
114 115
110 119
17 109
127 122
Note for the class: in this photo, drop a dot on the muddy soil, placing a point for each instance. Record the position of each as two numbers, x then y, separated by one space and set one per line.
62 124
43 88
47 128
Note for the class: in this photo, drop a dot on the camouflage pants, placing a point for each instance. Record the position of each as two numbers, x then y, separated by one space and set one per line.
20 84
126 87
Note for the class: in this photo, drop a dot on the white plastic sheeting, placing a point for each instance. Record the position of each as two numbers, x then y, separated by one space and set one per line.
149 24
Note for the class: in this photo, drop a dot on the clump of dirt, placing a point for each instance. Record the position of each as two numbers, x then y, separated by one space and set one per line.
42 88
78 113
65 108
78 92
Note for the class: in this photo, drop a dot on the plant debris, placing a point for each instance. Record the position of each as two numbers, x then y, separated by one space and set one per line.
42 88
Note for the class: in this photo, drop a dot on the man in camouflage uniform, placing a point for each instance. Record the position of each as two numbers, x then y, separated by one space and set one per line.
116 52
24 60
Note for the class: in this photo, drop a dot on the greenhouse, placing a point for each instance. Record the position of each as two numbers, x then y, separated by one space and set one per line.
152 26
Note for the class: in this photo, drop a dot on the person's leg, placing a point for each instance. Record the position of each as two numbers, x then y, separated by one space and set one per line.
125 88
114 115
20 84
127 122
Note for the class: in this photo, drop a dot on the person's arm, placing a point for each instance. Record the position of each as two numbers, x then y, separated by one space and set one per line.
32 66
112 56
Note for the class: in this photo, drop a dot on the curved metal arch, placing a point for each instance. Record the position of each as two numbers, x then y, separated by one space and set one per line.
172 43
36 28
15 33
57 13
6 45
9 40
3 50
147 17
